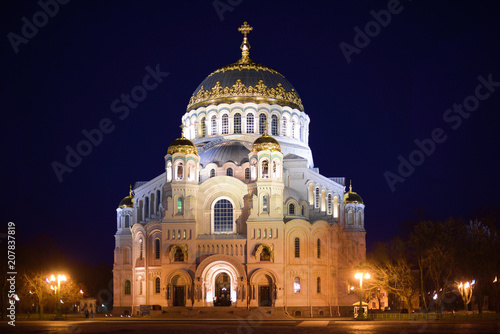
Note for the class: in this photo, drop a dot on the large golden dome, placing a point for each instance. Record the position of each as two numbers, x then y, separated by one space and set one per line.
264 143
245 81
182 145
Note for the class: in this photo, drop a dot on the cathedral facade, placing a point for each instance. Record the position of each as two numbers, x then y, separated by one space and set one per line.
240 217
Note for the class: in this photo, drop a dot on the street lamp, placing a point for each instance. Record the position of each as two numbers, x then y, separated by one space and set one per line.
360 276
60 278
465 290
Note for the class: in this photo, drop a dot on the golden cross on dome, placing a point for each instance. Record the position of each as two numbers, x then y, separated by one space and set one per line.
182 130
245 29
245 46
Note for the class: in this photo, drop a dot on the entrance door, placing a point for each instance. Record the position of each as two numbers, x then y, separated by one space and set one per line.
265 295
179 294
222 290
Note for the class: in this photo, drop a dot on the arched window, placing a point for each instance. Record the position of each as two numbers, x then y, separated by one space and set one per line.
265 255
140 286
157 248
169 171
291 209
127 221
296 285
274 125
259 233
253 169
336 207
179 204
157 285
301 130
329 204
247 173
293 129
146 208
183 234
350 218
213 125
178 234
265 169
318 285
270 233
250 125
264 203
283 128
190 171
203 128
303 210
229 172
141 248
196 129
225 124
212 172
158 199
173 234
276 170
316 198
179 171
297 247
179 255
360 219
223 216
318 250
237 123
127 287
262 123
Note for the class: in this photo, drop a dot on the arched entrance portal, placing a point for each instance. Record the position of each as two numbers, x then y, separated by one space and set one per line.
179 285
265 291
222 290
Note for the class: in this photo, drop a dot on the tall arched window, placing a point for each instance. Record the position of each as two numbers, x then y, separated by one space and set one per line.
157 248
127 287
157 285
179 204
237 123
316 198
297 247
146 208
223 216
126 255
283 128
247 173
212 172
336 207
318 248
350 217
276 174
303 210
158 199
169 171
329 204
225 124
141 248
265 169
179 171
250 125
264 203
262 123
213 123
291 209
229 172
318 285
274 125
127 221
293 129
296 285
203 128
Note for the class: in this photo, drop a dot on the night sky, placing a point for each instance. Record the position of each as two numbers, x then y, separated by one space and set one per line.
397 88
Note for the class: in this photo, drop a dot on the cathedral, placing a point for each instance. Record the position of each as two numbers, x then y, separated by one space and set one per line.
240 218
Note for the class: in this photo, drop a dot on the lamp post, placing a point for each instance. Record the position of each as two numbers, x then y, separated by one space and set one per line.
360 276
60 278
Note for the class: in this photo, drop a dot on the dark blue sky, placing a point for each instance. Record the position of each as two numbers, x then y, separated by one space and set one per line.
364 114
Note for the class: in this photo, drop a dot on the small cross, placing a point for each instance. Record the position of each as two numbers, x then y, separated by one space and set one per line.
245 29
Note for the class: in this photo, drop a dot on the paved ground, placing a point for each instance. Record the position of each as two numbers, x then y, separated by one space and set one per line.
250 326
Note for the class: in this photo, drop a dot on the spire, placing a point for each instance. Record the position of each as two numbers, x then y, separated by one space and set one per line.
182 130
245 46
131 192
350 186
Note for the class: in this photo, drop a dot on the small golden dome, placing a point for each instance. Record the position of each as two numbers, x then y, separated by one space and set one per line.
127 202
352 197
266 142
182 145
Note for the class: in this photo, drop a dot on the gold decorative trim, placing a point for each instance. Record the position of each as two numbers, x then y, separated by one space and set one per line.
239 89
245 65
